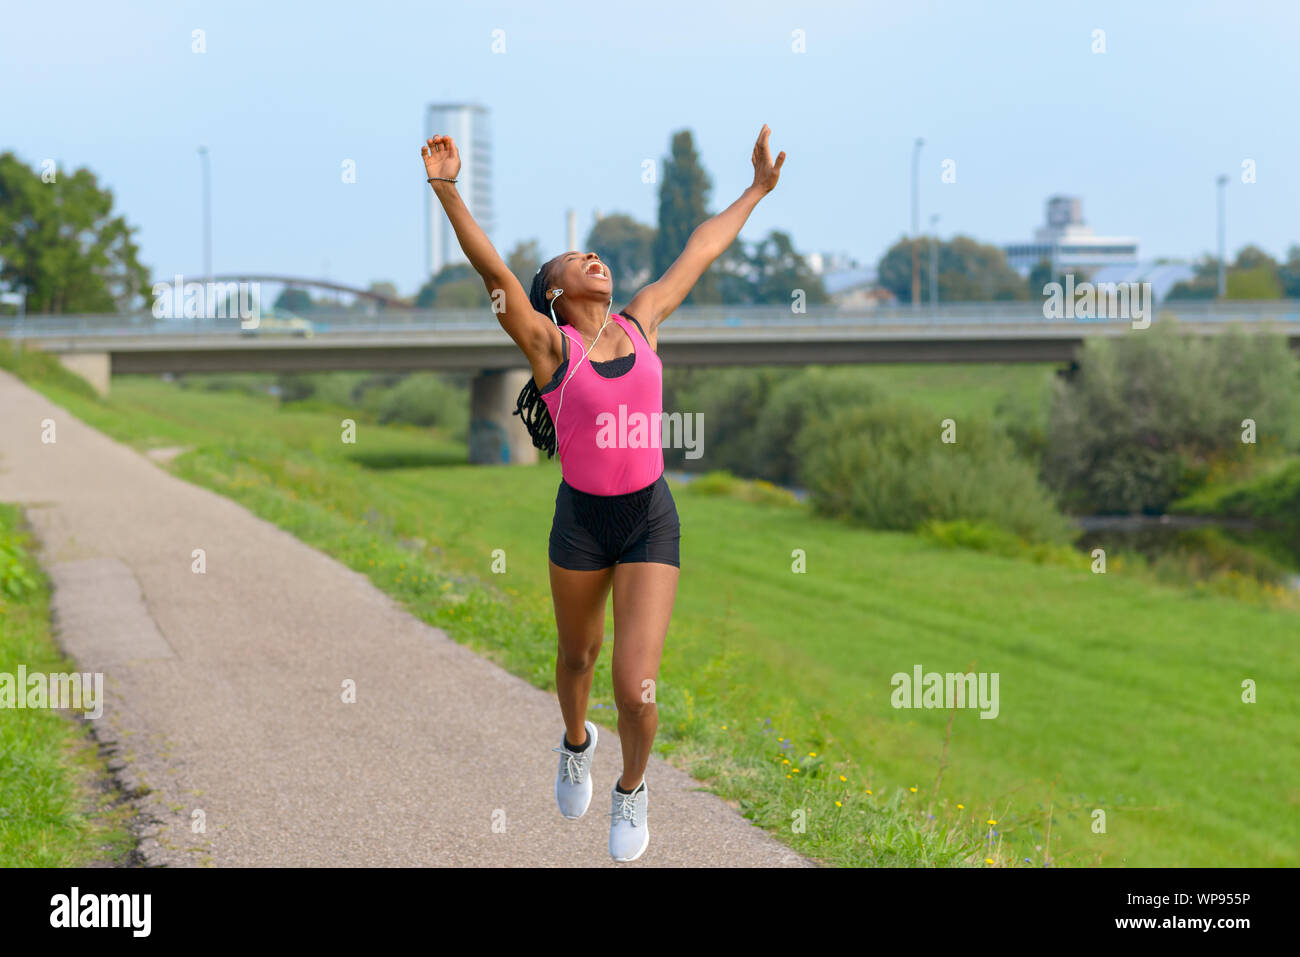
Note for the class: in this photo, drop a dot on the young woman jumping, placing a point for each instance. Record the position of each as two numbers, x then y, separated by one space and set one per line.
615 521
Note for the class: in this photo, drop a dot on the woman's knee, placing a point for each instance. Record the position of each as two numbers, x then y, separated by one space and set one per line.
633 699
578 657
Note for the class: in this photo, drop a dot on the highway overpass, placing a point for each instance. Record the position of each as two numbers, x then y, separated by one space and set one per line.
99 347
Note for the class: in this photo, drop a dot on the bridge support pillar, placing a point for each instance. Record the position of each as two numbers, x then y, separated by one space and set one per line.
496 435
95 367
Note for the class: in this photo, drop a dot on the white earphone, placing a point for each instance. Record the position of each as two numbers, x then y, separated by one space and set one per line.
558 292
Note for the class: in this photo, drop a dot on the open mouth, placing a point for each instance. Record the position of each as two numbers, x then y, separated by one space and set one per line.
596 269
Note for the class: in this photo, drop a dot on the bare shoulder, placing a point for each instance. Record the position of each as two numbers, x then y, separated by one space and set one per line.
644 307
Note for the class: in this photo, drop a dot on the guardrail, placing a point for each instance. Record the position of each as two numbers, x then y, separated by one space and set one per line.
753 318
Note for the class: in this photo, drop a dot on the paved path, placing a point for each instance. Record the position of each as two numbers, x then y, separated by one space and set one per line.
223 690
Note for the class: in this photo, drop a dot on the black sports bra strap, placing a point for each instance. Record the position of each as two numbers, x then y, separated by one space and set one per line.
627 315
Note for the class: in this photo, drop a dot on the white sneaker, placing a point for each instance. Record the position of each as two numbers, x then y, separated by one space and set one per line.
629 834
573 781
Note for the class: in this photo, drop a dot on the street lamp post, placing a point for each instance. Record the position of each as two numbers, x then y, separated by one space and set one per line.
1223 269
934 262
916 264
207 213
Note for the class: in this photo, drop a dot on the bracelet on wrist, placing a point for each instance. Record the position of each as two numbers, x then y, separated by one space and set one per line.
443 178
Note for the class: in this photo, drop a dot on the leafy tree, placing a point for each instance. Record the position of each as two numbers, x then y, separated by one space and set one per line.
1042 274
683 205
457 286
363 304
733 273
1289 273
1039 277
1147 418
524 260
61 242
1207 267
462 294
628 248
1198 288
969 271
1258 282
1252 257
294 300
1254 275
779 270
380 288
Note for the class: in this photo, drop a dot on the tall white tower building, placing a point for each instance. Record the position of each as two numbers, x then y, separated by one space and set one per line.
1066 241
467 124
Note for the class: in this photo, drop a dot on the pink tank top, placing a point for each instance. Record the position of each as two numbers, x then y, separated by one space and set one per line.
608 432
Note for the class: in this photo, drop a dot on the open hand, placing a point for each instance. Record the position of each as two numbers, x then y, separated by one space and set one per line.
766 173
441 158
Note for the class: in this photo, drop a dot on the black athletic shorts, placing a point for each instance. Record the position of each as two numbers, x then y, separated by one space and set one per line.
591 532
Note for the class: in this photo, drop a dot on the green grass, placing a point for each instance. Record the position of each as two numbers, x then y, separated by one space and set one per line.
54 811
969 390
1117 693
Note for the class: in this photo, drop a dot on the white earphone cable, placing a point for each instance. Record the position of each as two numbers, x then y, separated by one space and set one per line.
559 292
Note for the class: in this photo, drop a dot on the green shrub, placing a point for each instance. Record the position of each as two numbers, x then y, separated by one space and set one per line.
339 389
1025 423
979 536
983 537
425 399
884 466
1262 282
1273 497
1151 415
722 482
296 388
731 401
815 393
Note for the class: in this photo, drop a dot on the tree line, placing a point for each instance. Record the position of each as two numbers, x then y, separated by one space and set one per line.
62 242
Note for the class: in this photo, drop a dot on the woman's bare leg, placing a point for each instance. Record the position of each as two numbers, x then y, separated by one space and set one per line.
644 593
579 598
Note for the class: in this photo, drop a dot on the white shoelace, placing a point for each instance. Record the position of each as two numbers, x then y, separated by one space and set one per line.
626 807
575 768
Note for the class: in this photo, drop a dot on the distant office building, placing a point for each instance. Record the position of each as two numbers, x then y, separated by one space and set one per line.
467 124
1067 242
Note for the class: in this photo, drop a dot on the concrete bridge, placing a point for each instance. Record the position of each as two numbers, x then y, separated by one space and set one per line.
98 347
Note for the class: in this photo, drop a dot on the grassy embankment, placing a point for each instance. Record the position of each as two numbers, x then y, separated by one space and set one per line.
1116 693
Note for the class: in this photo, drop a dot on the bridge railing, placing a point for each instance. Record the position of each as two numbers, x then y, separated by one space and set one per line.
752 318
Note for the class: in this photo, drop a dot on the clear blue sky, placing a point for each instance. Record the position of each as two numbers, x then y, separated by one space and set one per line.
586 91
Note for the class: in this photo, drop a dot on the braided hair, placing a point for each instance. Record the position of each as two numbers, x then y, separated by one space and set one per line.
530 406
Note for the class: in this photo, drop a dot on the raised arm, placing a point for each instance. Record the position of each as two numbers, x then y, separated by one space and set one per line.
653 304
534 333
